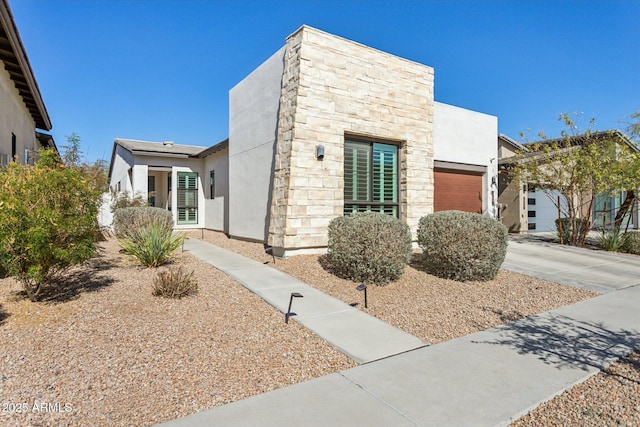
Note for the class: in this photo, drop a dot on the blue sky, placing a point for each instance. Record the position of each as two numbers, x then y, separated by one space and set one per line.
161 69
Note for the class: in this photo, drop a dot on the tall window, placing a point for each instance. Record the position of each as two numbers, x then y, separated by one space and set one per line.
187 198
212 185
151 190
370 177
14 149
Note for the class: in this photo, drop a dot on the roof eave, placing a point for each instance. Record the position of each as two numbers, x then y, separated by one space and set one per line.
213 149
41 119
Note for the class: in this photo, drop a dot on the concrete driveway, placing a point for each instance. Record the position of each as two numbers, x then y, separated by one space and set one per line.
596 270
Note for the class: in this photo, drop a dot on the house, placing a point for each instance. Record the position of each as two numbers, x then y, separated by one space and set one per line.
23 115
172 176
324 127
512 196
524 208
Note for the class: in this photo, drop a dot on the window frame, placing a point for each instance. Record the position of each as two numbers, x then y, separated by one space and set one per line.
212 184
187 208
151 190
14 147
351 206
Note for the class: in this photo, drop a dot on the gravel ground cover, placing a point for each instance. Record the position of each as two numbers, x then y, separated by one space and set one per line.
108 353
423 305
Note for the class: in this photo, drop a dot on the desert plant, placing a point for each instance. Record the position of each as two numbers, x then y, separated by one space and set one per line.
611 240
631 242
128 221
48 221
151 244
174 283
462 245
369 247
578 230
121 200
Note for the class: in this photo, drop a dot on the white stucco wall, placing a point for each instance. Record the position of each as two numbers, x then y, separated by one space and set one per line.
120 164
139 177
217 208
253 121
470 138
14 119
545 210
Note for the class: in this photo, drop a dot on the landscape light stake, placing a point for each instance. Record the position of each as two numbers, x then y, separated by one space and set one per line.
293 295
363 287
269 251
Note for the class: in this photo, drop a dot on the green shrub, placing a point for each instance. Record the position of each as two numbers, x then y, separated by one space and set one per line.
174 283
127 221
151 244
571 236
462 245
368 247
631 242
611 240
48 221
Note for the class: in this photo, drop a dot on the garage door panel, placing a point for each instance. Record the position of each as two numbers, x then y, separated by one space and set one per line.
457 190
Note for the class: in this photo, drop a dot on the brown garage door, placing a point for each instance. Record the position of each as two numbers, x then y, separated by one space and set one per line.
457 190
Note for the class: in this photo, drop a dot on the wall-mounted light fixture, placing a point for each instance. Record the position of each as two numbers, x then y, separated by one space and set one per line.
320 152
289 313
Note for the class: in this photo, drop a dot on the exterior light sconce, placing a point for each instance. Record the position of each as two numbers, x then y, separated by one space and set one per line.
289 313
320 152
363 287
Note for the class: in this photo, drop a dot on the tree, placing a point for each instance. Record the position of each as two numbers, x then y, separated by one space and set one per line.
48 221
96 172
633 131
578 166
633 126
72 153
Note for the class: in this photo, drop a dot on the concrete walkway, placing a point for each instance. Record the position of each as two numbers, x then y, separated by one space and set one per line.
485 379
360 336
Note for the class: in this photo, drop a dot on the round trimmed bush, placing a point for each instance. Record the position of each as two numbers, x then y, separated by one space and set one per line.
369 247
631 242
130 220
462 245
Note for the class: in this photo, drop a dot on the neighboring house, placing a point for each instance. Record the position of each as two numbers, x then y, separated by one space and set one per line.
525 208
190 181
512 196
22 109
324 127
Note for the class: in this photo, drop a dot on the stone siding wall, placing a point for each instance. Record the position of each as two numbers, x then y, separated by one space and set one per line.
331 87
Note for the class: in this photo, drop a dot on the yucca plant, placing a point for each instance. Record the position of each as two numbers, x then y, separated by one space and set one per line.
631 242
611 240
152 245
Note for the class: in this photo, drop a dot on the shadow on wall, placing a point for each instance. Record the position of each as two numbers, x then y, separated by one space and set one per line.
563 342
267 217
